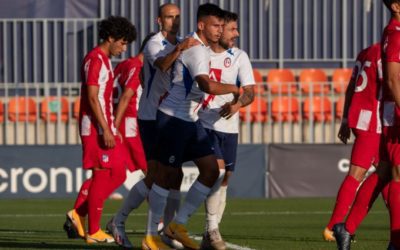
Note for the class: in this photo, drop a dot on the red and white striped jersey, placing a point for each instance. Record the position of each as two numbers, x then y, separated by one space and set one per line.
96 70
127 76
364 108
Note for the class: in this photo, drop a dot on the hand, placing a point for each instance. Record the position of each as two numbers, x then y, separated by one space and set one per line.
188 43
108 138
344 132
229 109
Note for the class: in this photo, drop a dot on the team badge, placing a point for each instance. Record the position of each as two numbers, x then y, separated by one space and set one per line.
171 159
227 62
105 158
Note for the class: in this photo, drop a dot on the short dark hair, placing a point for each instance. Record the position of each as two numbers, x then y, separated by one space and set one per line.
118 28
145 40
209 9
230 16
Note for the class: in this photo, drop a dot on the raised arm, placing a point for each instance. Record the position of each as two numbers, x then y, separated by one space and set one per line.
165 62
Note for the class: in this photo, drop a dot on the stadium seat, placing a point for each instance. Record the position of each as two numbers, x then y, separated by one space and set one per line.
340 79
281 81
318 109
1 112
339 107
259 89
77 104
285 109
22 109
313 80
258 111
50 107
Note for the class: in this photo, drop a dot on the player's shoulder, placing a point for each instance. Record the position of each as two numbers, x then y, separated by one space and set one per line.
156 40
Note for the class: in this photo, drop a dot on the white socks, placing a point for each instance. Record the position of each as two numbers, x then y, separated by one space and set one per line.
136 196
157 202
173 204
212 203
195 196
222 202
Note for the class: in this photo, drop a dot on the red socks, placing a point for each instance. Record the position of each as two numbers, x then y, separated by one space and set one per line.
394 208
81 201
344 199
366 196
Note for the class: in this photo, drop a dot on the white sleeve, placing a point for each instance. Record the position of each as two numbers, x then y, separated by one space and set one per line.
197 61
245 74
153 51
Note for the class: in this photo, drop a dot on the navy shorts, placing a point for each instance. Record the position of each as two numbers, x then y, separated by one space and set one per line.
179 141
225 147
147 129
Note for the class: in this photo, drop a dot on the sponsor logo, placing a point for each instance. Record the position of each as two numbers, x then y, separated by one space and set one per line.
171 159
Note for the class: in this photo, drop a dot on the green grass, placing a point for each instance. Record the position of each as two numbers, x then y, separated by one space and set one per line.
258 224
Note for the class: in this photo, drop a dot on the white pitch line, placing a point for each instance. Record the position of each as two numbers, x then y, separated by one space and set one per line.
229 245
256 213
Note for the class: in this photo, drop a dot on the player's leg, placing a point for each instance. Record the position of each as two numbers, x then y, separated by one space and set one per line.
96 198
362 157
169 155
174 198
139 192
200 149
75 222
367 195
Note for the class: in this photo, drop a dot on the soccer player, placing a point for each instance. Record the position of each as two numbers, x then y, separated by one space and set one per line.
361 116
159 54
219 117
100 143
180 135
390 49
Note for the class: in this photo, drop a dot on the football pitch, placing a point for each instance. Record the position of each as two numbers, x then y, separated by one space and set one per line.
248 224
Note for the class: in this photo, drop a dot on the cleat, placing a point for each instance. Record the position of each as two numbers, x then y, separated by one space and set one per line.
69 228
78 222
154 242
99 237
171 242
118 233
179 232
327 235
343 238
213 240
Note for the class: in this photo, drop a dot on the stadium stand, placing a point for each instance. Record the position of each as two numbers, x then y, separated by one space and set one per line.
340 79
313 80
285 109
317 108
22 109
51 106
281 81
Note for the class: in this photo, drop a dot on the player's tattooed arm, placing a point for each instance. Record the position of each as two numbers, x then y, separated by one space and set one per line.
165 62
229 109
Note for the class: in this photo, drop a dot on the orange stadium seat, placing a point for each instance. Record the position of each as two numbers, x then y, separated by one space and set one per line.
339 107
315 79
77 105
317 108
50 107
259 88
22 109
340 79
1 111
258 111
281 81
285 109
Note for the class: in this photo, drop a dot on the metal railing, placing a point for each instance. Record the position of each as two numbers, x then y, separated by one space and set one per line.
47 114
275 33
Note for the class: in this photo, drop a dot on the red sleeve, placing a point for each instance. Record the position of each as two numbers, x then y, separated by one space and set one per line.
133 80
393 48
92 71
